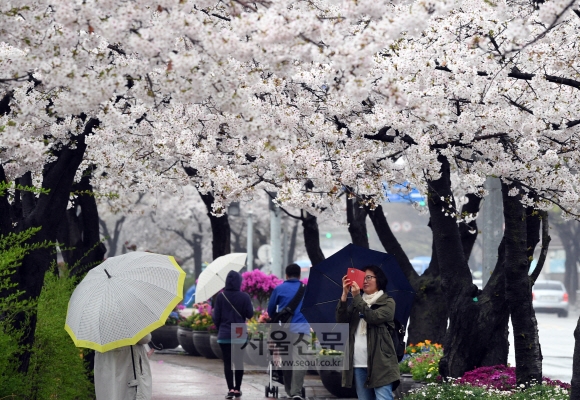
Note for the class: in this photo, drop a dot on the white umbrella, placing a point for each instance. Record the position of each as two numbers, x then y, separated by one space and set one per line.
213 277
123 299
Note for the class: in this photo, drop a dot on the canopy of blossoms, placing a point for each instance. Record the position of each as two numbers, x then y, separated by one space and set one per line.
303 98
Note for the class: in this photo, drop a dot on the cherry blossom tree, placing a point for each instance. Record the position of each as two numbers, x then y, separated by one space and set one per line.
245 97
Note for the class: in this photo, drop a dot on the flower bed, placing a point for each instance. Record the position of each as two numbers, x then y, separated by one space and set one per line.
456 391
175 317
422 361
500 377
200 319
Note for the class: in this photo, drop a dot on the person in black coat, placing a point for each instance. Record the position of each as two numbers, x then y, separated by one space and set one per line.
231 306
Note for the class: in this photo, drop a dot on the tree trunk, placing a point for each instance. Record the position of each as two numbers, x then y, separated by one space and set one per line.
569 234
468 231
575 394
48 212
112 239
312 238
220 229
477 333
292 245
519 290
356 217
80 233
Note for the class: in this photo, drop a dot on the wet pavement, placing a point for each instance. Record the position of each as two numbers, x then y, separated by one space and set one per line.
177 376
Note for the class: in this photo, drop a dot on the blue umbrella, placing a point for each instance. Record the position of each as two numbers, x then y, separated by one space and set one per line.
325 283
189 297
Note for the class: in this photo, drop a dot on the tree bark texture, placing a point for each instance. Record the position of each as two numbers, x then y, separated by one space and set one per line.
477 333
220 229
575 394
312 238
356 217
527 349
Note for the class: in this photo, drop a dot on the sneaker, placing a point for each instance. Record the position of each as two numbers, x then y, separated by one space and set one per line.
238 393
230 395
297 398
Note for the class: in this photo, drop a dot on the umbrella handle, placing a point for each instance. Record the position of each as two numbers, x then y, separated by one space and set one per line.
133 361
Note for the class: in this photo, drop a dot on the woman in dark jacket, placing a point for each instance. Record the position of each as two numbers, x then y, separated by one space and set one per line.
231 306
372 358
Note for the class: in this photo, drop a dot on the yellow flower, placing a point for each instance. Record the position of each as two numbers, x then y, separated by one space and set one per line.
420 344
413 351
427 342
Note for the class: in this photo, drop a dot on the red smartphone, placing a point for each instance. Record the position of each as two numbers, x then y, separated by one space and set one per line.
356 275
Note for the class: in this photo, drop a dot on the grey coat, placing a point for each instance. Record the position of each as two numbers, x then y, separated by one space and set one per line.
383 367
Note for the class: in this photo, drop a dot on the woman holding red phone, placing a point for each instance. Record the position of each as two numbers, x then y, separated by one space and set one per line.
372 357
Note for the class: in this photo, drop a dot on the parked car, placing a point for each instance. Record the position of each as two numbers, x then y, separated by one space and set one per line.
550 296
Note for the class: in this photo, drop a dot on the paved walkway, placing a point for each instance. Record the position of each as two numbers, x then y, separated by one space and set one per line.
178 376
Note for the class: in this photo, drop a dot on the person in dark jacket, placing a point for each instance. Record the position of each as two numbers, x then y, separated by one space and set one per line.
231 306
299 329
372 357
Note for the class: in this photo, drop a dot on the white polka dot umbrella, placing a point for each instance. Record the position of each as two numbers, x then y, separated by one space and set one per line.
123 299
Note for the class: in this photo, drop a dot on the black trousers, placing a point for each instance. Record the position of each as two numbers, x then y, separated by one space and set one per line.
239 372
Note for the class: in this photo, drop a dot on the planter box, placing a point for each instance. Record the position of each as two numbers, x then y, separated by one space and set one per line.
332 381
408 384
202 344
165 337
215 346
185 339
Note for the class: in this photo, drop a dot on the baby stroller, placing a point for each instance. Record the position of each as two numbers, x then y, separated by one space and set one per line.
276 374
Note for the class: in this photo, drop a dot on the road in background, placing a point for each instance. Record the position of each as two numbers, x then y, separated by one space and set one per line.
557 341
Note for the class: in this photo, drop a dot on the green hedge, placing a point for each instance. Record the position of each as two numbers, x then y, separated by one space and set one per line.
59 367
56 370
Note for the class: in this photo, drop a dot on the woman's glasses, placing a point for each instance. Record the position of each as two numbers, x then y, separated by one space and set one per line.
369 277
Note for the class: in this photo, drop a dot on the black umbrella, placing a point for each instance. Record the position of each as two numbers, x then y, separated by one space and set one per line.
325 283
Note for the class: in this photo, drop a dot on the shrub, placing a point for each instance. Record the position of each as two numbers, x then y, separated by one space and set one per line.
58 365
259 285
13 248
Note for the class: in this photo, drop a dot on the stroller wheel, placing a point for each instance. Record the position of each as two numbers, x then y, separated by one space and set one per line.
275 392
303 392
267 390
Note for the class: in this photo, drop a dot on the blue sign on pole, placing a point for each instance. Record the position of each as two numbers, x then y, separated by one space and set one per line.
399 194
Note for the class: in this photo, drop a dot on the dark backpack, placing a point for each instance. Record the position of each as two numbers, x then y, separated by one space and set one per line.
398 337
285 315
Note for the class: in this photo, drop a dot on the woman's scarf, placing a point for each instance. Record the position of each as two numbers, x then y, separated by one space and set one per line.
370 299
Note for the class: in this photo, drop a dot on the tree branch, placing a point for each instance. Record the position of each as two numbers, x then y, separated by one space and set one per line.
544 251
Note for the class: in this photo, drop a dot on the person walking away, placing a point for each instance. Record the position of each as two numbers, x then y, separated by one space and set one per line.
232 306
372 358
118 377
299 330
